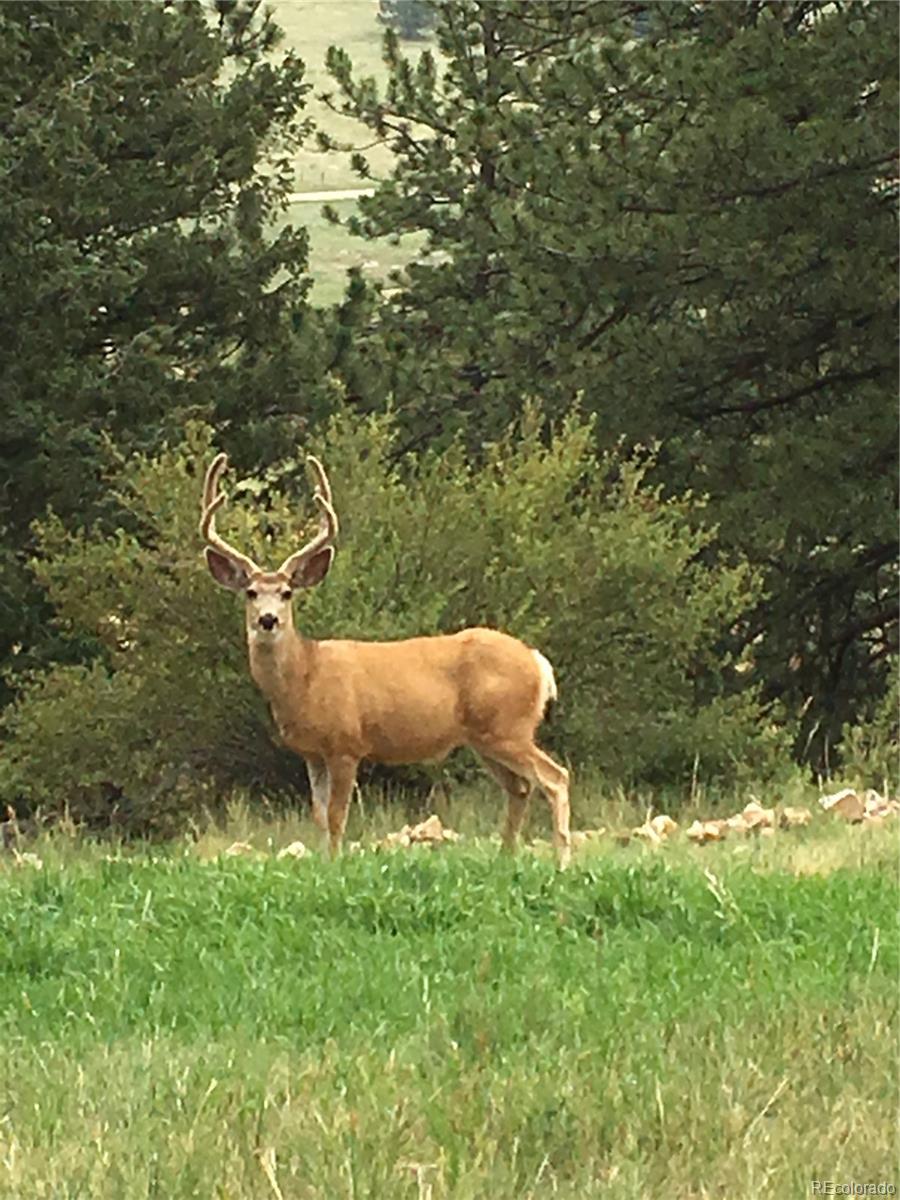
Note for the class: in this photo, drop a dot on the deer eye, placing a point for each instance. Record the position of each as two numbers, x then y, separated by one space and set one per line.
251 593
286 595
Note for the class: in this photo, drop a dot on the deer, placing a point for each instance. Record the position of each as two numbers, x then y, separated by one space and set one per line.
339 702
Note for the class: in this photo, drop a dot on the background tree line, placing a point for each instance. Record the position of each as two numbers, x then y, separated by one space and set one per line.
659 281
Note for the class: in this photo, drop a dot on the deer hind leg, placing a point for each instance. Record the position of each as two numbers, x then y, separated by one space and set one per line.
553 780
518 791
341 777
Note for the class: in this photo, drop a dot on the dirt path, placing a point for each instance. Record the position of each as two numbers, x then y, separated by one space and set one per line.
325 197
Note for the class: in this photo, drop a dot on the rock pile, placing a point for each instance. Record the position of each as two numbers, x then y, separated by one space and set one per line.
850 806
429 832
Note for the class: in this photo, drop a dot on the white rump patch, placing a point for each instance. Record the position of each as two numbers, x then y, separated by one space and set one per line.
548 680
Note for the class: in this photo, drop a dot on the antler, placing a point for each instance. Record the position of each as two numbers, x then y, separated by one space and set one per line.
328 524
213 500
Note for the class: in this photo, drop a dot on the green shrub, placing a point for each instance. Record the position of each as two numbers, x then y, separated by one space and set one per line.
576 556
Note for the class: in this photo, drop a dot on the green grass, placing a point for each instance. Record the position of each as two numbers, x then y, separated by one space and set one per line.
680 1022
310 27
332 252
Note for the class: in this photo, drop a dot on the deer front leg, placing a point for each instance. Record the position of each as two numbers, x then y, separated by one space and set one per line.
341 777
319 786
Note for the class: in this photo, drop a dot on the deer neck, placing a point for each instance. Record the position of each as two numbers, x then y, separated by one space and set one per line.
281 668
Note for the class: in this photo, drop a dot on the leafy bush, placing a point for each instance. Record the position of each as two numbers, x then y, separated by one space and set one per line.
576 556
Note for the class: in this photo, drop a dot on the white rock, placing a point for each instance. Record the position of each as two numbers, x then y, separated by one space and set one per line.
646 833
794 818
293 850
845 803
758 817
664 825
238 848
27 859
875 804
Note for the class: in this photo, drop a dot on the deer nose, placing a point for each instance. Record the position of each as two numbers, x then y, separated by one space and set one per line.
268 621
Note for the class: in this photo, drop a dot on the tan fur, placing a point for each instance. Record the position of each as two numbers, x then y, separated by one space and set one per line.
339 702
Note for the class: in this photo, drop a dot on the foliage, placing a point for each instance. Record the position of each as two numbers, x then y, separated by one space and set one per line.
694 229
872 751
145 146
576 556
410 19
391 1019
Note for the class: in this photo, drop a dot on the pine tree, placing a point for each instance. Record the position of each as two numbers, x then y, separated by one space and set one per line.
684 216
145 147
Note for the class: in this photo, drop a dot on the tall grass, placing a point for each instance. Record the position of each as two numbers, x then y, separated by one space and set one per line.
449 1024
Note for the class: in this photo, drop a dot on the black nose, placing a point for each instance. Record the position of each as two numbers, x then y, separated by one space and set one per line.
268 621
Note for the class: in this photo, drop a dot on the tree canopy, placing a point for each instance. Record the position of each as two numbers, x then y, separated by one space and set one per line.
145 149
684 215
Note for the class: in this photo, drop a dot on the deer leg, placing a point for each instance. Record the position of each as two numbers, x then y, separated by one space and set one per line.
518 791
553 780
342 776
319 786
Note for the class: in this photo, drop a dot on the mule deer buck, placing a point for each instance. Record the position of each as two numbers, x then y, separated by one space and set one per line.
338 702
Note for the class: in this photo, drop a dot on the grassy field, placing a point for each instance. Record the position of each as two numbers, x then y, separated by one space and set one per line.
310 27
681 1022
332 252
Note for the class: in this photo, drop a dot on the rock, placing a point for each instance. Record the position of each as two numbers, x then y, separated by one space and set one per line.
646 833
581 836
399 838
738 824
758 817
794 818
664 825
707 831
27 859
236 849
766 831
429 832
293 850
875 805
845 803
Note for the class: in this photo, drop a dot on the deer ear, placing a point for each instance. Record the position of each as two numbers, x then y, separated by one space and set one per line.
226 571
312 569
